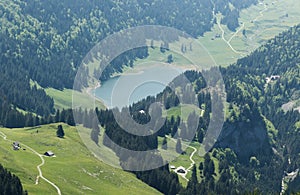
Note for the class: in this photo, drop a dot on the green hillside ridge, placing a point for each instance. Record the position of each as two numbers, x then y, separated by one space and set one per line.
74 170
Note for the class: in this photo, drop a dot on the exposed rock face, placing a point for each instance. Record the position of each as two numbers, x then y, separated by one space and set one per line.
245 139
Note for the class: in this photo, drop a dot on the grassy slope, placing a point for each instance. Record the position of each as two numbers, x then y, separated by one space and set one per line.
183 111
74 169
63 99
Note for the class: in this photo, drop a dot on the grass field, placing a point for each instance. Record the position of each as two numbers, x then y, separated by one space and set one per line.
74 170
183 111
63 99
279 16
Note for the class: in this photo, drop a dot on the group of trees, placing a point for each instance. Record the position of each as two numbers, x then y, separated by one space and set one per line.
54 37
60 39
9 183
15 119
115 136
231 12
18 94
120 141
162 179
208 184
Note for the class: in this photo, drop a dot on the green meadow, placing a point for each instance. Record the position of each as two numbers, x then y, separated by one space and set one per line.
74 169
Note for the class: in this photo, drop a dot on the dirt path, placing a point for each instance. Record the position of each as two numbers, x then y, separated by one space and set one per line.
261 12
236 32
228 42
223 32
260 16
38 167
191 158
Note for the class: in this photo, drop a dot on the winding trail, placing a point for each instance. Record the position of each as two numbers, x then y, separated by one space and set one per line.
191 158
223 32
228 42
236 32
261 14
38 167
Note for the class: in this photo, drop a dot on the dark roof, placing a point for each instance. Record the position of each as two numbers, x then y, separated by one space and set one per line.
180 171
49 153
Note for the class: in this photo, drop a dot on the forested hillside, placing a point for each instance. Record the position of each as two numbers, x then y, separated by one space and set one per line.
249 86
46 41
262 139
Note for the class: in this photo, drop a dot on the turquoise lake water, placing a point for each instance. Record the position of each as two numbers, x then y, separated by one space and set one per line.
126 89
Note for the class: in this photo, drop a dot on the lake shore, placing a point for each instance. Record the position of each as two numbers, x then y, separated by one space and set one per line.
138 69
89 92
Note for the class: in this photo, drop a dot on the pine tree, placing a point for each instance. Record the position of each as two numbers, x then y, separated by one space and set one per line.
178 146
60 132
95 130
170 59
152 44
200 135
174 131
183 131
194 178
70 119
57 116
192 184
162 48
164 144
201 166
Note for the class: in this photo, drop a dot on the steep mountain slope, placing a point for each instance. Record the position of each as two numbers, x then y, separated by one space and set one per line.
264 139
263 82
46 41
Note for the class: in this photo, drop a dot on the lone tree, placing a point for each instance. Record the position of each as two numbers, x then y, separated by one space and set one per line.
94 135
170 59
60 132
178 146
164 144
201 166
95 130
